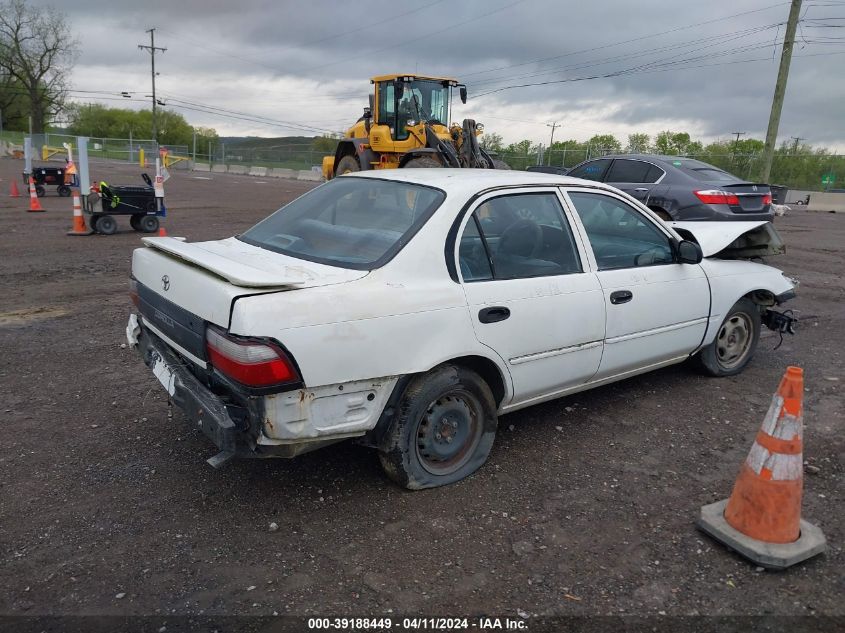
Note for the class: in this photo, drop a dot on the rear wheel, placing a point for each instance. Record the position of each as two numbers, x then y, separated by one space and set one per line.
500 164
443 430
148 223
63 191
40 191
422 162
347 165
106 225
735 341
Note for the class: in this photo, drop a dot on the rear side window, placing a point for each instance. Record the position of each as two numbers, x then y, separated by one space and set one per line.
522 235
358 223
594 170
628 171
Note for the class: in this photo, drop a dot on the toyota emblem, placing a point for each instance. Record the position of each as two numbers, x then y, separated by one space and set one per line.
165 282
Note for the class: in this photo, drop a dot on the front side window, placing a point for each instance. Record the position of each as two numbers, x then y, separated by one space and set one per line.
386 104
594 170
358 223
619 235
522 235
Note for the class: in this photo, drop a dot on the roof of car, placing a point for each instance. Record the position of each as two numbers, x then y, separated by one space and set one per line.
472 179
663 158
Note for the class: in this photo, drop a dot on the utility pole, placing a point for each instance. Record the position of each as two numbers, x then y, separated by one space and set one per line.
552 140
152 48
795 140
780 89
738 134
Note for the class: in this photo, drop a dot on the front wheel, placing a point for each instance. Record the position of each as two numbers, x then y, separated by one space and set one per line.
347 165
64 191
148 224
443 430
422 162
735 341
106 225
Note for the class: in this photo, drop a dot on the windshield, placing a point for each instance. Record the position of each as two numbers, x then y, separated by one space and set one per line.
422 100
358 223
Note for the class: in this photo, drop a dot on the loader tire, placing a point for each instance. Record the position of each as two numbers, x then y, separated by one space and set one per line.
347 165
500 164
422 162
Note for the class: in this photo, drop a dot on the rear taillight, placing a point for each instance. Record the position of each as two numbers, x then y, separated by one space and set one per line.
716 196
767 199
133 292
251 362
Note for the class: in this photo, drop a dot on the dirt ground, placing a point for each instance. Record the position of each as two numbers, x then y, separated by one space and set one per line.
586 506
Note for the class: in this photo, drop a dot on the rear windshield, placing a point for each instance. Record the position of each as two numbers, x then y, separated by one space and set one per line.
703 171
350 222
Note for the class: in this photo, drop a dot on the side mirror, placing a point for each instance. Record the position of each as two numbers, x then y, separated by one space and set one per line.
398 89
463 90
689 252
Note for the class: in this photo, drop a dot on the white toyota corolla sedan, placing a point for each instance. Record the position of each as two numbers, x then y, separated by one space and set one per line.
411 308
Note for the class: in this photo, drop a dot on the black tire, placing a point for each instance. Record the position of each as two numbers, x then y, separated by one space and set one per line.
40 191
64 191
347 165
446 404
735 342
134 220
500 164
148 223
106 225
422 162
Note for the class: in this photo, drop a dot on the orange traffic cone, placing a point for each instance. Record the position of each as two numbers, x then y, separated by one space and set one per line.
79 227
161 231
762 519
13 190
34 204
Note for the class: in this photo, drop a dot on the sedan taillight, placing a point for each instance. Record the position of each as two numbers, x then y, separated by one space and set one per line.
251 362
717 196
767 199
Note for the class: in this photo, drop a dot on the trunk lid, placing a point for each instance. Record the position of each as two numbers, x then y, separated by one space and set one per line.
205 278
750 196
732 240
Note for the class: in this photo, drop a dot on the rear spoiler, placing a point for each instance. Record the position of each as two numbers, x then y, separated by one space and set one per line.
732 240
235 272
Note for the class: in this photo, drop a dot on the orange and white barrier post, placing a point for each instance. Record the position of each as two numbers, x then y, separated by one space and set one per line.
762 519
79 227
34 203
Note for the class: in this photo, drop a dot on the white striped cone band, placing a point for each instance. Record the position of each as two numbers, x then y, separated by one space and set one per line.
776 453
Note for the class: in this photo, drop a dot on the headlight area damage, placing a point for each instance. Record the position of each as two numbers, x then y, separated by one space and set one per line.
274 415
745 240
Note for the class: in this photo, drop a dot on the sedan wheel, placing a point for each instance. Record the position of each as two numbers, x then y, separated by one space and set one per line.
443 429
735 341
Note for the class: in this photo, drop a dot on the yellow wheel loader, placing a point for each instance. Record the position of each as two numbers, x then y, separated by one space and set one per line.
407 125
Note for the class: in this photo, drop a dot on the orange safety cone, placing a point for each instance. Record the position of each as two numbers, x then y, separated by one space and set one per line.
162 232
762 519
13 190
34 204
79 227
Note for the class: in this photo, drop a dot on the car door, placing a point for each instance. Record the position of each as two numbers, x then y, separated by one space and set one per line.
637 178
529 296
657 309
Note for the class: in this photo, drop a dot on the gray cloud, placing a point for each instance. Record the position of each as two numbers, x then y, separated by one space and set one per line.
286 60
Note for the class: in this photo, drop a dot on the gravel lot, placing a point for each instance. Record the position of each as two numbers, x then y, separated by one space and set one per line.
586 506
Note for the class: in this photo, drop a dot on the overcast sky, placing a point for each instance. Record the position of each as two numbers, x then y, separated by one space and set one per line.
308 63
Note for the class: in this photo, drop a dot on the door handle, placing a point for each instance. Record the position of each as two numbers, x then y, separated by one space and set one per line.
494 314
641 189
621 296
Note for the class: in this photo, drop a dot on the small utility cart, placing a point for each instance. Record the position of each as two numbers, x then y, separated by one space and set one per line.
138 202
44 176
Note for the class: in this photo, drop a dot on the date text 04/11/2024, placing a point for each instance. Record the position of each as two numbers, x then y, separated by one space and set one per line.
418 624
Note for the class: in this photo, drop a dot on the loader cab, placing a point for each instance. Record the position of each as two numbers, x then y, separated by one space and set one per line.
403 102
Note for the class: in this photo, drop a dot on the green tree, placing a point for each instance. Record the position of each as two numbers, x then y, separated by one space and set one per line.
638 143
326 144
604 144
37 51
492 142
